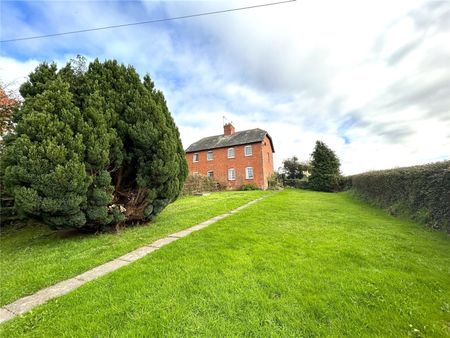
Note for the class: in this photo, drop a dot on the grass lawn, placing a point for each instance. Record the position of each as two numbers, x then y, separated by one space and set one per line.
295 264
34 257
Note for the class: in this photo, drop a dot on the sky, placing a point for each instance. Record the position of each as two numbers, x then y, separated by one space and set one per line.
369 78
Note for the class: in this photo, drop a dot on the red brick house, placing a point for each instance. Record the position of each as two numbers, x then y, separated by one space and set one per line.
234 158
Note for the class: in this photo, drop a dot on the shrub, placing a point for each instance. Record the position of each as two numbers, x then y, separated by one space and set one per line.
93 147
296 183
325 175
422 192
274 182
199 183
250 186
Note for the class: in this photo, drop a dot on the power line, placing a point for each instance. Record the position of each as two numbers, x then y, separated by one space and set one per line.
147 22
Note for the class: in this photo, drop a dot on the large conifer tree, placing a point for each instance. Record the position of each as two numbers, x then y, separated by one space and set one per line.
94 146
325 171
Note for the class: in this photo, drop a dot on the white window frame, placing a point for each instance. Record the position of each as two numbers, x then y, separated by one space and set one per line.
247 176
194 156
231 177
228 153
208 157
251 150
210 173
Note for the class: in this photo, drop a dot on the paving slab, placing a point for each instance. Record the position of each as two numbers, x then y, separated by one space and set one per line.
163 241
217 218
101 270
6 315
182 233
137 254
25 304
200 226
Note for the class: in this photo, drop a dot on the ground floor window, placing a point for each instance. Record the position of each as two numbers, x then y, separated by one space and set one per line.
249 173
231 174
210 173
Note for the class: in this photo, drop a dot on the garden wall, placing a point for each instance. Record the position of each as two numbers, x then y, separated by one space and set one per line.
422 192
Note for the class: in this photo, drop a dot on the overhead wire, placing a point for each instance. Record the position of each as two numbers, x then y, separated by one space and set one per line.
147 21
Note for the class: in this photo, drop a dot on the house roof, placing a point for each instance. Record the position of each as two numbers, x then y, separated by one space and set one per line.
238 138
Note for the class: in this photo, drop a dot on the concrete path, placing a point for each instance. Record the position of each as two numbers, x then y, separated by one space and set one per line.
27 303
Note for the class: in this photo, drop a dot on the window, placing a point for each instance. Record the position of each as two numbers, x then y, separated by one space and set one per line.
230 152
210 173
209 155
231 174
195 157
249 173
248 151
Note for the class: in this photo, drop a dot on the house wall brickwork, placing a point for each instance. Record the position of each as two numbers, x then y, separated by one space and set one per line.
261 161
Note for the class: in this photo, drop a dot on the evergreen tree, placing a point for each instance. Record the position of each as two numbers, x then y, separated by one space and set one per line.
45 172
325 164
102 139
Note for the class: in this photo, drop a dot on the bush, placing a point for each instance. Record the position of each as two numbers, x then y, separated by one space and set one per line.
274 182
198 184
250 186
423 192
92 147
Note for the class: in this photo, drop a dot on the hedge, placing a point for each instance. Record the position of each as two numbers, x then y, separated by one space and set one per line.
199 184
422 192
296 183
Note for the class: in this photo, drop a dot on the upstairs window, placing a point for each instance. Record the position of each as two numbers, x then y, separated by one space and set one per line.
209 156
249 173
195 157
248 150
230 152
231 174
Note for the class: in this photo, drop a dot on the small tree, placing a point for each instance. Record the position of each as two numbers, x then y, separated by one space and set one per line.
9 101
294 169
291 168
325 173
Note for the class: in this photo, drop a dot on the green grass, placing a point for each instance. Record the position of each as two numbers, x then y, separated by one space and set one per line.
294 264
34 257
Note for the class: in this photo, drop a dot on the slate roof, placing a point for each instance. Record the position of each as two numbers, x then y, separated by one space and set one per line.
222 141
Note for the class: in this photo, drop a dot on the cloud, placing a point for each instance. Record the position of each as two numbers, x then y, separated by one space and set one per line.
13 73
372 80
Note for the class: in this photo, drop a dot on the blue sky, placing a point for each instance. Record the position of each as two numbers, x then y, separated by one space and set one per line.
371 79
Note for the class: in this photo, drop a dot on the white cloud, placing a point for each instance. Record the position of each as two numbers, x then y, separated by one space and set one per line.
13 73
371 79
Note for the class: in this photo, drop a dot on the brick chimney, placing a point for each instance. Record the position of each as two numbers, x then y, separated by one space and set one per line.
228 129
